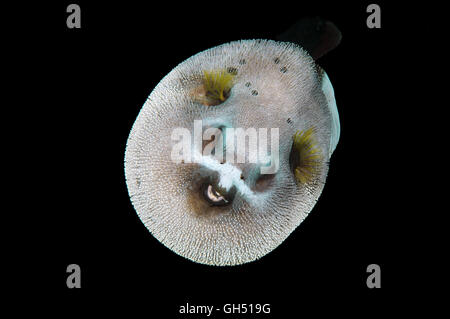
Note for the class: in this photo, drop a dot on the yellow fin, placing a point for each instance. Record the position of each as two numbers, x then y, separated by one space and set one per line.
310 156
217 84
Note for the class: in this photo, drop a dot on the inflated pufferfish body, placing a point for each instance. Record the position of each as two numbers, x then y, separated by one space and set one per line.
223 213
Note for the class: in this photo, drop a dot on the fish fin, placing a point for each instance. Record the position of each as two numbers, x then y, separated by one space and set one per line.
309 155
217 85
315 35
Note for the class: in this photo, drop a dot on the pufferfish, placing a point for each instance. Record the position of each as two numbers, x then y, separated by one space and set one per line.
225 212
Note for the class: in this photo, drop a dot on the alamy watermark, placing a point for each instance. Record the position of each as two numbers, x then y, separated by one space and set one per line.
225 144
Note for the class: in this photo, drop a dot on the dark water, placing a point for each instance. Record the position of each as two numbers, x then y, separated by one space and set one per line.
93 82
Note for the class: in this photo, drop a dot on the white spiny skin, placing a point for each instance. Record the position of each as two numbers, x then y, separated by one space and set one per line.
164 193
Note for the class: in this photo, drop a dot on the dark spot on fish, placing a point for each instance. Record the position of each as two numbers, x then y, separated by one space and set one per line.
248 84
283 69
232 70
276 60
242 61
254 93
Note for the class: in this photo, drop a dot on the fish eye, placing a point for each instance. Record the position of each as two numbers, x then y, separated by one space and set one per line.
213 196
264 182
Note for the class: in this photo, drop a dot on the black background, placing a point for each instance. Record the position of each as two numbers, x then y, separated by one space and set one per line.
92 83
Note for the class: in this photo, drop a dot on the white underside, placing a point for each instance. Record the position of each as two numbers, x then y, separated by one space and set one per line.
327 89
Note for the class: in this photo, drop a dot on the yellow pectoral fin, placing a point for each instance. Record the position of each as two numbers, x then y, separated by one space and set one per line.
310 155
217 85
